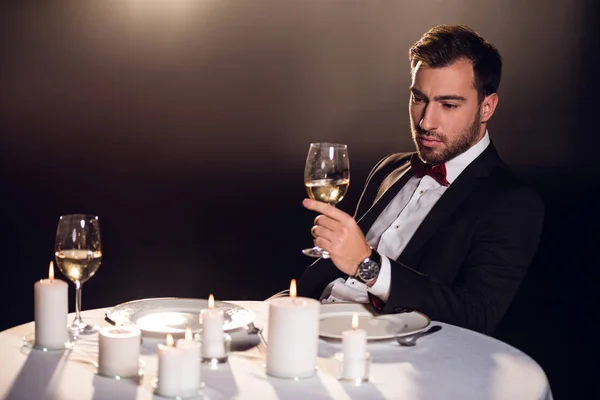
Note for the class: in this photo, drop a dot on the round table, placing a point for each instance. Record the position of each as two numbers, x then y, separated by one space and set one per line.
453 364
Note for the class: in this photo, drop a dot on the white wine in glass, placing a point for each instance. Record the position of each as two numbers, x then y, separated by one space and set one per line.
78 253
326 177
327 190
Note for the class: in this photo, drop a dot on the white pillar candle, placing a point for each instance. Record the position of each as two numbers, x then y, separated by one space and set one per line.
119 351
169 369
213 344
354 343
190 364
293 336
51 306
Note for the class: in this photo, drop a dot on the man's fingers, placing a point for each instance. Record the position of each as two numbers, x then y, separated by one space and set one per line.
322 243
327 222
319 231
325 209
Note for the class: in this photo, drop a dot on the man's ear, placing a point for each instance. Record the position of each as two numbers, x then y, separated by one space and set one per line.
488 107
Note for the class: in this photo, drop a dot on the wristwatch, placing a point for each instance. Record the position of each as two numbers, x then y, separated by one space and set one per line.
368 269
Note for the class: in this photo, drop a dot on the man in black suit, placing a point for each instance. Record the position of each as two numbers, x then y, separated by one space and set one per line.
448 230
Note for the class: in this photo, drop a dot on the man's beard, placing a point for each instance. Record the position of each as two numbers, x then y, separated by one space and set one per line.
449 150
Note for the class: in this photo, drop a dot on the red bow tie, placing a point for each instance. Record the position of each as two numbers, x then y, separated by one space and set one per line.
437 172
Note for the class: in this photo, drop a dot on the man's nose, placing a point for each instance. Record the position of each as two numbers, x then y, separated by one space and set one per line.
428 121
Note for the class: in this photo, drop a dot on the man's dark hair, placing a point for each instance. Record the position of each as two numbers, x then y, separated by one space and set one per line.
445 44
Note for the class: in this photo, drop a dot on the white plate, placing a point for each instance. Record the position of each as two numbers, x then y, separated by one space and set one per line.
336 318
160 316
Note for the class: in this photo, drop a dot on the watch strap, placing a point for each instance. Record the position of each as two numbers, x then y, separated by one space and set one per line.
375 257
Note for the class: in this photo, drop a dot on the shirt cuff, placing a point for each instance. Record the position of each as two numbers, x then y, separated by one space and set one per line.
382 286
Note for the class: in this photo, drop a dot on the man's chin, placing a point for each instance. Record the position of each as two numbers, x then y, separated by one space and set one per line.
428 155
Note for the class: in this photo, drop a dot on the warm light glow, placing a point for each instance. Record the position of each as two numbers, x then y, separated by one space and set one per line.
170 341
188 333
355 321
75 273
293 289
51 272
162 321
211 301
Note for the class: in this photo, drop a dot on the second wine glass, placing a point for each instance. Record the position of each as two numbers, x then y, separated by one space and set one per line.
78 253
326 177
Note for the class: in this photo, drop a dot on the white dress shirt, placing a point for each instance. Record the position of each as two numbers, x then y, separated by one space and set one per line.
397 224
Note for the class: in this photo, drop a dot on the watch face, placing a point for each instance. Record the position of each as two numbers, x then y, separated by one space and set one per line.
368 270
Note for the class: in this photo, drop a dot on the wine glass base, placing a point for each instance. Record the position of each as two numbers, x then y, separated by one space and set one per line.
82 329
315 252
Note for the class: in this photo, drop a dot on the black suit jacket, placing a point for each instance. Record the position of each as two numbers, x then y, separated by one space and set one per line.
468 257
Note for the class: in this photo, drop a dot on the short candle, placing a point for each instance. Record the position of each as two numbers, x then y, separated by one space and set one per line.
51 306
169 369
293 336
119 351
213 343
354 343
190 363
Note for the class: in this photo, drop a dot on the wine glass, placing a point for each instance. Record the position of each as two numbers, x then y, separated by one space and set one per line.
78 255
326 177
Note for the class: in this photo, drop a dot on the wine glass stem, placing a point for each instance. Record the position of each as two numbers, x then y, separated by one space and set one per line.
78 319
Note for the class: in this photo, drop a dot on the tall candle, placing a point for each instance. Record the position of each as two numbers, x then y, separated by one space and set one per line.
213 345
190 364
354 344
51 305
169 369
293 336
119 351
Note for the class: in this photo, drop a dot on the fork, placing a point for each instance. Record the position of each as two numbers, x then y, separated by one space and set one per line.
254 330
411 341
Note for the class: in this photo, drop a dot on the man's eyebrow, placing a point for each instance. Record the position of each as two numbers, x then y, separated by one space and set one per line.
450 97
417 92
446 97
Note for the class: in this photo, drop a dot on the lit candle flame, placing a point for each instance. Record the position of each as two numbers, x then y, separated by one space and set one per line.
170 341
211 301
51 272
355 321
293 289
188 333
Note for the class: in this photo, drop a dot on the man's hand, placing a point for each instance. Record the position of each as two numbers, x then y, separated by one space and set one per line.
338 233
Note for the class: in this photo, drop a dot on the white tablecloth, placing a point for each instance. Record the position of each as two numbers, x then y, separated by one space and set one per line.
452 364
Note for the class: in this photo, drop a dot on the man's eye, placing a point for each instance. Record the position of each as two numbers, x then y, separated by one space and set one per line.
416 99
450 106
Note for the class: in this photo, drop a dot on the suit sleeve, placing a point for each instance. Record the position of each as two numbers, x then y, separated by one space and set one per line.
505 239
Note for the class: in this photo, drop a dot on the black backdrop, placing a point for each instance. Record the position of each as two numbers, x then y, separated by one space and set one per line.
184 125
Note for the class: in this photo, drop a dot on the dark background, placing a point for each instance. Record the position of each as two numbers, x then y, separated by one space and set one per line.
184 126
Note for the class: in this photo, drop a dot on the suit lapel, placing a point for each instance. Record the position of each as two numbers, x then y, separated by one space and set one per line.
446 205
458 191
388 189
